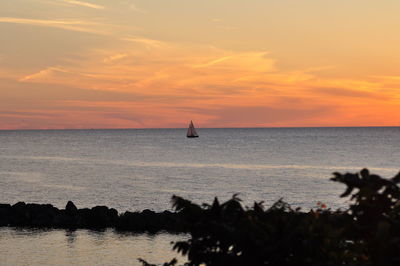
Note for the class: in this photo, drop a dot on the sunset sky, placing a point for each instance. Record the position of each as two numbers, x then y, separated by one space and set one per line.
220 63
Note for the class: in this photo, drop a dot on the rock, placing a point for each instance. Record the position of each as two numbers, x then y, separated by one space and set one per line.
148 212
85 217
149 221
42 215
104 216
19 215
113 214
71 208
43 220
127 221
46 215
5 213
63 220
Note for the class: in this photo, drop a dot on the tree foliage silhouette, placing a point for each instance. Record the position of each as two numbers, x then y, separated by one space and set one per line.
367 233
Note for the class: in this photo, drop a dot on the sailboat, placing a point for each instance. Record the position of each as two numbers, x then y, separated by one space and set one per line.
191 133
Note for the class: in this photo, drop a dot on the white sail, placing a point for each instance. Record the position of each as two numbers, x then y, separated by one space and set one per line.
191 133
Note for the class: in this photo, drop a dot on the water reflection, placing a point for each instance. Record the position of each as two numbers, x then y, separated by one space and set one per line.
84 247
71 237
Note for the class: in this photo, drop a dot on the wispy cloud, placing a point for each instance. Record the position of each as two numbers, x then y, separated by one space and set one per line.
347 92
213 62
44 73
145 41
84 4
115 57
73 25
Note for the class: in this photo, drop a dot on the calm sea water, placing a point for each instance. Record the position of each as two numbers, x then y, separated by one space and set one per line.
139 169
83 247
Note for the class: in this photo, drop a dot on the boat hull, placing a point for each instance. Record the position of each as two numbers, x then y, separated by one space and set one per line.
192 136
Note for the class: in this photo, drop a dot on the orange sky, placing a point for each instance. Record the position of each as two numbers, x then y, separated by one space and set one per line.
220 63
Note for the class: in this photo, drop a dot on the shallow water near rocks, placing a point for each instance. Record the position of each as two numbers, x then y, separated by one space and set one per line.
83 247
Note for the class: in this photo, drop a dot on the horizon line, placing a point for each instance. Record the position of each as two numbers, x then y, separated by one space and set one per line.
153 128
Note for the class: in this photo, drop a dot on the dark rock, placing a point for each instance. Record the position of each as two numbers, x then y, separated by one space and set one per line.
85 217
43 220
113 214
71 208
19 204
148 212
46 215
5 213
150 221
64 220
103 216
128 221
41 215
19 216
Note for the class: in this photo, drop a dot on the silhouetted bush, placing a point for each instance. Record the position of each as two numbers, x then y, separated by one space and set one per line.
367 233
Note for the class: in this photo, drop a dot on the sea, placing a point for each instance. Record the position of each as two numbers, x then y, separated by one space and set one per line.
137 169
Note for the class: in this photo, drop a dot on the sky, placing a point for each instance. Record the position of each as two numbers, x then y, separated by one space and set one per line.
221 63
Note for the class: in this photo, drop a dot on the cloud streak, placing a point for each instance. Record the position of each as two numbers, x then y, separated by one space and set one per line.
43 74
213 62
72 25
84 4
148 43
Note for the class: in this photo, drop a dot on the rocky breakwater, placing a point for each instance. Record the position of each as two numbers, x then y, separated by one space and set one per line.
34 215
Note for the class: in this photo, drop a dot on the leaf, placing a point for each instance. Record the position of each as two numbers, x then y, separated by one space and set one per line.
347 192
179 203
